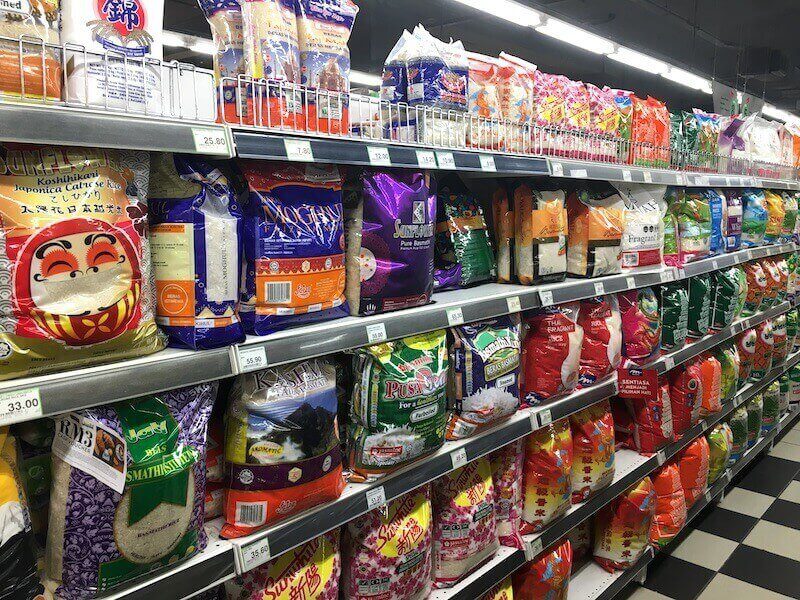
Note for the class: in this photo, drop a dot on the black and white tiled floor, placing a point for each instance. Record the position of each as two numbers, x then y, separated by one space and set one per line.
747 547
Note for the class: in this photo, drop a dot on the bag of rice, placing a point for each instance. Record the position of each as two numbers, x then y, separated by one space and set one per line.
516 92
783 272
387 552
746 345
754 218
503 224
595 214
699 306
739 431
484 103
438 73
724 297
195 241
310 571
718 210
728 356
547 576
643 232
720 444
641 325
604 124
398 410
771 407
792 326
622 528
773 274
756 288
674 316
592 450
580 538
783 382
780 349
282 452
671 251
741 278
755 413
670 513
762 358
652 420
792 282
733 233
464 532
693 216
686 395
601 352
546 475
79 286
711 384
790 216
776 213
390 242
502 591
131 476
507 465
693 463
484 374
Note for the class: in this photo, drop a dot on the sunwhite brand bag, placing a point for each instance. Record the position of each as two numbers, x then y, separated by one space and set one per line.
643 226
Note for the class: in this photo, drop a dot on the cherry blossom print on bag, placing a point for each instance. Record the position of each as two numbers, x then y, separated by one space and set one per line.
507 465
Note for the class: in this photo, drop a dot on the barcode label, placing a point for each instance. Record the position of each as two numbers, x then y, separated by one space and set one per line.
648 177
546 298
545 418
599 289
558 170
669 362
376 333
278 292
459 458
251 514
630 282
514 305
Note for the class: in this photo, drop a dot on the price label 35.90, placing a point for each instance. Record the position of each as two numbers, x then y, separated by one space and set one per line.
20 405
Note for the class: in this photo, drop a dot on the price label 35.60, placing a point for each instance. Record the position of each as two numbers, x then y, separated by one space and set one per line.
20 405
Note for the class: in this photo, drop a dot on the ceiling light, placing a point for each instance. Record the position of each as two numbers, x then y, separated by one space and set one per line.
777 113
508 10
367 79
576 36
688 79
639 60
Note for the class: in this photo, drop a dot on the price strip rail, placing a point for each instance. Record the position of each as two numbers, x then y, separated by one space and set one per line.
725 261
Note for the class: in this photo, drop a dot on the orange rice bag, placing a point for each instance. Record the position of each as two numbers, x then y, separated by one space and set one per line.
547 577
581 539
592 450
694 465
711 377
670 514
686 395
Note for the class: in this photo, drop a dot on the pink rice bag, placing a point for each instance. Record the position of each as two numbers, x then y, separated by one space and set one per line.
641 325
604 123
507 478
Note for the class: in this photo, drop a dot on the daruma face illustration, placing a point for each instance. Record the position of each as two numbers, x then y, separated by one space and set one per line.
80 280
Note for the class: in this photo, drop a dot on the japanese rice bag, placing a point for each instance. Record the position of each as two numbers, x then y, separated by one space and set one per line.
390 242
693 215
79 286
128 490
293 246
774 283
674 316
652 419
720 443
754 218
516 90
724 298
595 215
484 374
711 384
746 345
601 352
484 102
227 32
718 209
282 452
196 247
728 356
699 306
776 213
670 513
771 411
580 538
739 426
507 463
756 288
686 395
546 475
502 591
780 349
643 232
551 353
762 358
733 231
386 553
547 576
755 414
398 410
592 450
693 463
641 325
790 216
311 570
622 527
464 531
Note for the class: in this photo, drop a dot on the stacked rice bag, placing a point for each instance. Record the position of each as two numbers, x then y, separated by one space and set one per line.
547 576
592 450
694 465
755 413
670 513
720 443
641 325
595 214
546 475
507 467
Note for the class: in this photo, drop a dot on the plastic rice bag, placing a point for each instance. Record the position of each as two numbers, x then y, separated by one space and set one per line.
794 385
739 426
578 114
708 129
699 306
783 382
601 352
484 129
776 213
674 316
670 513
549 106
643 232
652 420
783 271
516 89
387 552
464 532
641 325
580 538
720 443
773 274
686 395
693 214
780 348
551 353
755 413
719 220
595 214
605 122
791 330
227 32
483 375
728 356
771 407
741 278
711 375
592 450
398 410
671 250
394 79
546 475
504 222
622 527
507 464
733 229
746 345
724 298
547 576
694 465
790 216
756 288
502 591
762 359
754 218
438 72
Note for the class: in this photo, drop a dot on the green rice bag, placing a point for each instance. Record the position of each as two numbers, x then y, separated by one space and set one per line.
724 298
755 409
741 278
794 384
783 382
674 316
791 330
720 443
790 216
728 357
670 239
771 411
738 422
746 345
699 306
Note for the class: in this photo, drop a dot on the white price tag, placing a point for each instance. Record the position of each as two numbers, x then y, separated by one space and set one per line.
578 173
758 183
545 417
728 181
514 305
455 316
648 177
708 495
715 264
626 175
376 497
210 141
661 457
299 150
446 161
426 159
679 179
535 547
459 458
599 289
251 358
558 170
546 298
669 362
749 255
379 156
487 163
667 276
20 405
630 282
255 554
376 333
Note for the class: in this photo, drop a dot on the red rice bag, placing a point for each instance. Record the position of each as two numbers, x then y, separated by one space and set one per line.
601 352
670 514
686 395
507 478
693 463
641 325
711 383
774 283
592 450
652 420
546 475
580 538
547 577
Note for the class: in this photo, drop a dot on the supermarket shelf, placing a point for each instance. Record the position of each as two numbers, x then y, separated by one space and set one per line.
725 261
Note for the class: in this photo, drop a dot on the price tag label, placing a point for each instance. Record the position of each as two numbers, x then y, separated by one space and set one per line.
379 156
376 333
626 175
669 362
728 181
661 457
210 141
749 255
758 183
667 276
648 177
558 170
737 401
578 173
534 547
630 282
426 159
376 497
20 405
251 358
545 417
599 289
255 554
514 305
679 179
715 264
299 150
708 495
546 298
487 163
446 161
459 457
455 316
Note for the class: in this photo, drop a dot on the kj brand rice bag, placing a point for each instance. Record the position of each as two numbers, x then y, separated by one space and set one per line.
129 501
724 298
643 233
733 230
693 463
693 215
546 475
711 384
699 306
502 591
507 465
718 208
464 532
780 348
76 258
592 450
739 425
399 402
776 213
754 218
771 407
755 413
641 325
670 513
601 352
390 242
686 395
674 316
622 528
720 443
484 374
756 288
282 451
762 359
580 538
311 570
387 552
547 576
595 215
746 345
195 241
728 357
652 420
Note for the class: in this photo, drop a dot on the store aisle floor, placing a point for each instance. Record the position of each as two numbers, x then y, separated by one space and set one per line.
746 547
